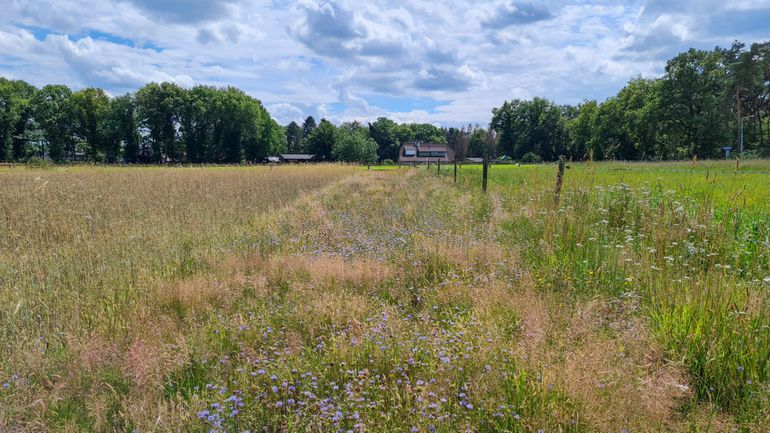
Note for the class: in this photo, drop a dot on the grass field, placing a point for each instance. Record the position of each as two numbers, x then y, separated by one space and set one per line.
335 298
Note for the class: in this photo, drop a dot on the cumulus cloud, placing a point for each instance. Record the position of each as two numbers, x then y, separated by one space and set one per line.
517 13
344 59
328 29
287 112
665 27
185 11
442 79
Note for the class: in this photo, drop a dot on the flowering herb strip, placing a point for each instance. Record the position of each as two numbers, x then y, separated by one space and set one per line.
422 372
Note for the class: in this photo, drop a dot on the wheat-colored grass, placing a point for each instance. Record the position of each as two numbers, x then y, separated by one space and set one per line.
329 298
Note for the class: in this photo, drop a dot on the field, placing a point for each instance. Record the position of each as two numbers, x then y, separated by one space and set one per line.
335 298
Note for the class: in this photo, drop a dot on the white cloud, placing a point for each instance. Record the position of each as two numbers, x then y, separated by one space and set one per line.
350 60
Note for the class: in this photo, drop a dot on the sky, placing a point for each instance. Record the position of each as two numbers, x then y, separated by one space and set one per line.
443 62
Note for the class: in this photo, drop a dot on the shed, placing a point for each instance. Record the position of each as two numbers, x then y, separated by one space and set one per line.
296 157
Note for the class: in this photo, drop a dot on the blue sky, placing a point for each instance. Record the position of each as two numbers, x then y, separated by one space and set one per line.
447 62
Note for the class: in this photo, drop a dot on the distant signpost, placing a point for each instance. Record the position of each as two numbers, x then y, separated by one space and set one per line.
727 150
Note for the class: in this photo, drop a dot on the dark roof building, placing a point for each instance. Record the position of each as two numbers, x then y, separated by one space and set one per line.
296 157
425 152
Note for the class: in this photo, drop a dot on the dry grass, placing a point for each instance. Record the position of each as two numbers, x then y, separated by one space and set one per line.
91 259
332 271
162 292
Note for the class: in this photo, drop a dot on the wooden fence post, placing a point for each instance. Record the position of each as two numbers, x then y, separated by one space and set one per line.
485 173
737 163
455 170
439 166
559 179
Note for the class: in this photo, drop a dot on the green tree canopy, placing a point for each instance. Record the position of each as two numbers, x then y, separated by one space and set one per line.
15 112
427 133
693 96
581 130
535 126
123 130
321 141
308 126
294 138
158 106
53 111
91 107
353 144
477 143
385 133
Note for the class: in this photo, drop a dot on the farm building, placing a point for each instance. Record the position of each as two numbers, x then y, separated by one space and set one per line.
425 152
296 157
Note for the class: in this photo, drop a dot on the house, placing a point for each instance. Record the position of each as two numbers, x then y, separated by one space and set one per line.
296 157
425 152
272 159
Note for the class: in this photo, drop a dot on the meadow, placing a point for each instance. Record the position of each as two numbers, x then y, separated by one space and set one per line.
335 298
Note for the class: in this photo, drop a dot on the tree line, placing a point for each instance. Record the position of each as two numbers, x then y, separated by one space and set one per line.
694 109
355 142
159 123
164 123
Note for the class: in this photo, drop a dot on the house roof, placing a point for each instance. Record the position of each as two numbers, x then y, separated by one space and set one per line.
427 146
297 156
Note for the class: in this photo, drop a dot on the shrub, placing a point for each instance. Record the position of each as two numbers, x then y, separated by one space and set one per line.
38 162
531 158
751 154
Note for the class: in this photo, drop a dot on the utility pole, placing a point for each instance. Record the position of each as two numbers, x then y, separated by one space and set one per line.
738 109
740 135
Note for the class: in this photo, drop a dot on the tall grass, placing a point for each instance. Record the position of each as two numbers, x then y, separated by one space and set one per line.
82 248
692 243
332 298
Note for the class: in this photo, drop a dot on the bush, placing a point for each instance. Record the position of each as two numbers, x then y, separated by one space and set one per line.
751 154
38 162
388 162
531 158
